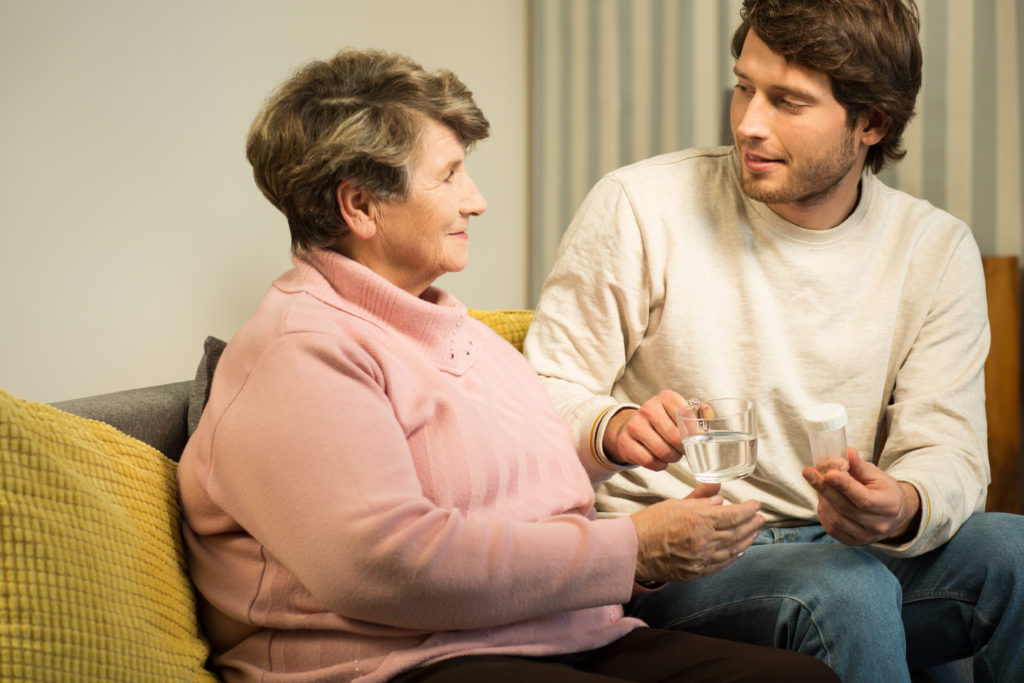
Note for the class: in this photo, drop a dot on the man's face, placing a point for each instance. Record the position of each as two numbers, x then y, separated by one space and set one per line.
797 153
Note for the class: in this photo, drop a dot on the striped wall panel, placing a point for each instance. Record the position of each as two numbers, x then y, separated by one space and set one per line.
615 81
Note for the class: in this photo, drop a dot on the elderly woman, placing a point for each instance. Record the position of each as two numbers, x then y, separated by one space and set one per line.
379 485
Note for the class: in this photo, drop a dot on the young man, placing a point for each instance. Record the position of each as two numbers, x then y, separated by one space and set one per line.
783 270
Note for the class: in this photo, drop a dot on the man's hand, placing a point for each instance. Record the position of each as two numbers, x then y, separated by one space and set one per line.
699 535
647 436
865 505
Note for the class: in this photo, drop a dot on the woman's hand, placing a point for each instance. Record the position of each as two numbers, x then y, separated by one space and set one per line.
696 536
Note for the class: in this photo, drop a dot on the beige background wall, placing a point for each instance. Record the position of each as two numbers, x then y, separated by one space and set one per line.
130 227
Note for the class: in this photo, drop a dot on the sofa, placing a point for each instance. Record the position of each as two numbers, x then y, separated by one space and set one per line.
93 582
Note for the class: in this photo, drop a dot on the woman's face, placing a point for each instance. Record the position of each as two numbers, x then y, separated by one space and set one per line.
418 239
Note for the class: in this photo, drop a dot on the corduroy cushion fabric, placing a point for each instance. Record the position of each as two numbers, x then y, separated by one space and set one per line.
511 324
93 585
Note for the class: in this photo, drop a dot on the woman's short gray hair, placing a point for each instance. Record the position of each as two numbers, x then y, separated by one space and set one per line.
356 117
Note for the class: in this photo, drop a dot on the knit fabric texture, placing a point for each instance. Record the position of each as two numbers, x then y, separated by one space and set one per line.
511 324
93 585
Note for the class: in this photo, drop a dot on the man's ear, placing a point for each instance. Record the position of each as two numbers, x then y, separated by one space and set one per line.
873 125
354 203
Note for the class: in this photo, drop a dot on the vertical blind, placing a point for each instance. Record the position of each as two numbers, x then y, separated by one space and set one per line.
616 81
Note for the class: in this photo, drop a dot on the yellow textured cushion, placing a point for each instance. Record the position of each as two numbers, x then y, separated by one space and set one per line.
93 585
510 323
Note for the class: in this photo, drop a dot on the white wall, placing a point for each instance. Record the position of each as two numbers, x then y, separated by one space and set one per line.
130 227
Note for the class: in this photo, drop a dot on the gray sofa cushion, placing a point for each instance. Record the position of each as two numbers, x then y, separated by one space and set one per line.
156 415
162 416
212 348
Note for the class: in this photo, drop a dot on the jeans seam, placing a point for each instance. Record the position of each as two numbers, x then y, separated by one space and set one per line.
959 596
922 596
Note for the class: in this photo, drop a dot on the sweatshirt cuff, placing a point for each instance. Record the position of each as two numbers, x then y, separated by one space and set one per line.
597 438
912 546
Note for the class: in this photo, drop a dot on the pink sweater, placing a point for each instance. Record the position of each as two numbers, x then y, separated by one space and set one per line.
380 481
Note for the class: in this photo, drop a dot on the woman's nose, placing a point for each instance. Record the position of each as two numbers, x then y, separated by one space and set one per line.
474 203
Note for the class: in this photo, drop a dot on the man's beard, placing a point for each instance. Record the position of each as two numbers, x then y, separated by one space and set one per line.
808 183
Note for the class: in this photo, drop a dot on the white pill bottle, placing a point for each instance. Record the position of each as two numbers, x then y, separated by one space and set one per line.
826 430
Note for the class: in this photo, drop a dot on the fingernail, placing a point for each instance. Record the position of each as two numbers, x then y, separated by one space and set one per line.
741 553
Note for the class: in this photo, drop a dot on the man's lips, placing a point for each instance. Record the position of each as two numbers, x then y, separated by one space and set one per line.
756 163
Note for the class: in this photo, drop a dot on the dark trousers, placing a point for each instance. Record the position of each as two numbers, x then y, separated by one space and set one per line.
645 655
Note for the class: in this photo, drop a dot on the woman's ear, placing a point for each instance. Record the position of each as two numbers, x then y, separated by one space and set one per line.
354 203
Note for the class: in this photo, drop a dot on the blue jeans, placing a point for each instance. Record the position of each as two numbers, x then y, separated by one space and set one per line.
869 616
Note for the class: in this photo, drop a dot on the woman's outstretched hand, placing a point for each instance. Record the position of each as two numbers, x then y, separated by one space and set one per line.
694 536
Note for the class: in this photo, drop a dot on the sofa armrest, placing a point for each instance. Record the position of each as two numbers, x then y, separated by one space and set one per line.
1002 384
156 415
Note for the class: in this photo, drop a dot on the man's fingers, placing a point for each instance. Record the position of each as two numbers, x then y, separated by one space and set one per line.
649 448
637 454
705 490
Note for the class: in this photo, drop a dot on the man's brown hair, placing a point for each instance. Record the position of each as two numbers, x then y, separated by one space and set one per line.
869 49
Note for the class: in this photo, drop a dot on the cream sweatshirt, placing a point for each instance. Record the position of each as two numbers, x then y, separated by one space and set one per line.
669 277
379 481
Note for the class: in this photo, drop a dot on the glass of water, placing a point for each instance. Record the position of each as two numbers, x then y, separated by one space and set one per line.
719 438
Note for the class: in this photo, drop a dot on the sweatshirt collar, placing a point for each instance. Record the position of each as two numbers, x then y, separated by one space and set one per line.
433 323
793 232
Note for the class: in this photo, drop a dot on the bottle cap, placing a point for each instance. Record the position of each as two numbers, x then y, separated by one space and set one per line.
825 416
